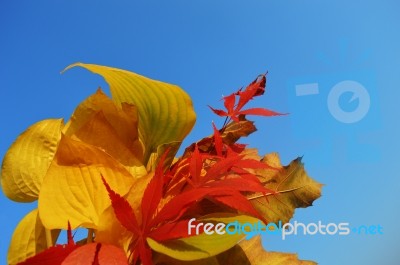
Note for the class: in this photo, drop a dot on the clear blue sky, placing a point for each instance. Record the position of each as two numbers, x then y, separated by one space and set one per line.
211 48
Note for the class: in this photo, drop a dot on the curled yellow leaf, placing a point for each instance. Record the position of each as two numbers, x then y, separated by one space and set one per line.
165 110
99 122
26 162
29 238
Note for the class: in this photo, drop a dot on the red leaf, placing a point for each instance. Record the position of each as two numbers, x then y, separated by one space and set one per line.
85 255
236 200
144 252
256 88
69 235
179 170
52 256
217 141
260 112
239 184
170 231
245 174
221 168
196 165
244 98
251 163
123 210
219 112
237 148
112 255
97 254
258 85
178 204
153 193
229 102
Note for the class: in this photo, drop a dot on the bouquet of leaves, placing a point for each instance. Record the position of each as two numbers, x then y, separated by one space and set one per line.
112 169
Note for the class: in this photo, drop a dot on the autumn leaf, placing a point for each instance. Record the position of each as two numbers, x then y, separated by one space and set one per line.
28 159
292 186
54 255
244 253
230 134
109 229
96 254
234 110
123 210
165 111
72 189
203 246
112 169
98 121
222 180
126 216
247 252
29 238
161 227
153 193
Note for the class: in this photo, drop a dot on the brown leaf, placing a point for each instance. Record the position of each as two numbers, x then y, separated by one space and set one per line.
293 187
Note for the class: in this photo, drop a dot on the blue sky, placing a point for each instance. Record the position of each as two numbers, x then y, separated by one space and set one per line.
211 48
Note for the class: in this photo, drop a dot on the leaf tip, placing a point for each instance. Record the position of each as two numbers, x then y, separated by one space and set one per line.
71 66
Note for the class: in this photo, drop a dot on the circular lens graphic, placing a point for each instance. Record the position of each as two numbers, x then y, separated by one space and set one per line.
359 92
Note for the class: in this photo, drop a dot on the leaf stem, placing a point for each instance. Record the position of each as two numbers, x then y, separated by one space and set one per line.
49 238
278 192
90 235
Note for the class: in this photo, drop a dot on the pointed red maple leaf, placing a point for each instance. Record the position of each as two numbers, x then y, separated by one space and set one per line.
148 227
233 110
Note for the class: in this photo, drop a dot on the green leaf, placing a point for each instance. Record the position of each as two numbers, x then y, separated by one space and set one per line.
26 162
203 246
247 252
165 111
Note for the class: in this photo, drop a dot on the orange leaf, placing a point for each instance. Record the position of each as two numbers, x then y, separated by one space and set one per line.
97 254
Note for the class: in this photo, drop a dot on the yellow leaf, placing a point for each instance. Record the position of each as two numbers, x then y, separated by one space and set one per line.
203 246
109 229
245 253
99 122
26 162
294 189
29 238
73 190
165 110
